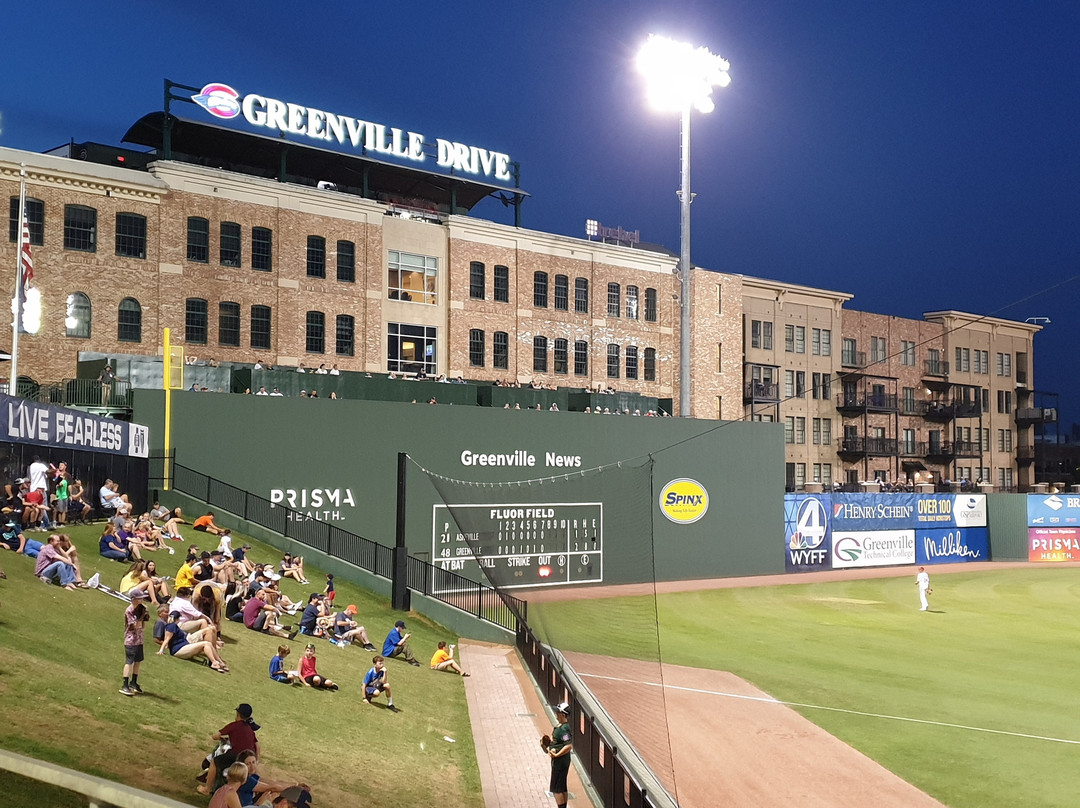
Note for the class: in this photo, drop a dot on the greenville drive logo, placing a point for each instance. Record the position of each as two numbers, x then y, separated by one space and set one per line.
684 501
220 100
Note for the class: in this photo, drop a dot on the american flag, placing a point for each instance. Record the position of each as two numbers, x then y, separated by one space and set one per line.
26 259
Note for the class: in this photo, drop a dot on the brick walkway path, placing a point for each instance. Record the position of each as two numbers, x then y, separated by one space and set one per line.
507 722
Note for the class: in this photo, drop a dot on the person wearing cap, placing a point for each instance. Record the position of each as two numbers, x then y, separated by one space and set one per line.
375 683
558 748
346 629
244 565
135 617
12 538
315 609
396 644
107 377
241 734
443 660
309 675
293 797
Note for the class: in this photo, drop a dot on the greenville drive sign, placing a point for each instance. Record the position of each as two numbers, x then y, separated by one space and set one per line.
222 101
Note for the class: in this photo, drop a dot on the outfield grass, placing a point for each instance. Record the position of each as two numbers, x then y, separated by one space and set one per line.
997 651
61 660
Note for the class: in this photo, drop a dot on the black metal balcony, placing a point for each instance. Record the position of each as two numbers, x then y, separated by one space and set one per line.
956 448
1036 415
1025 454
761 391
866 402
861 445
853 359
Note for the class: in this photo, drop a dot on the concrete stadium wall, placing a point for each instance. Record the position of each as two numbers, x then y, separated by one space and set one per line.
339 459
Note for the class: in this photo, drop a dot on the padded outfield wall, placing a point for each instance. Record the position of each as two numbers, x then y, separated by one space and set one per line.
337 461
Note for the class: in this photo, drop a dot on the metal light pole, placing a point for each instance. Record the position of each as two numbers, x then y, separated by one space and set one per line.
681 77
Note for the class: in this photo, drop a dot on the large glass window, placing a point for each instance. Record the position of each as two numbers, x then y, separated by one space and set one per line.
198 239
562 293
195 326
229 324
500 350
477 280
502 284
761 334
412 348
476 347
540 358
262 249
230 244
631 362
650 305
129 321
346 262
260 327
131 235
540 289
581 358
80 228
316 257
613 361
345 335
77 322
650 364
631 302
315 332
613 299
561 356
581 295
413 277
35 220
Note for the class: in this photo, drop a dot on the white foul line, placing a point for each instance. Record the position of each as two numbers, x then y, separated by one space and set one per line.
771 700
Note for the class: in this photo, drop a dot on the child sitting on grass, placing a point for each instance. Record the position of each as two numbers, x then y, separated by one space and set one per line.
277 667
309 675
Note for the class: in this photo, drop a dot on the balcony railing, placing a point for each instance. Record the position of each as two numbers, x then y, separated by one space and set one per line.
853 359
1025 453
937 368
879 402
952 448
762 391
862 445
1034 415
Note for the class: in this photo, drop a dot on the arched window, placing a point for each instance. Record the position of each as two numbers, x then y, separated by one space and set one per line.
78 315
129 321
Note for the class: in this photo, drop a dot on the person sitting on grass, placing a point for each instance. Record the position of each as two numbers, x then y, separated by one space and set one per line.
241 736
114 547
205 524
261 616
396 644
12 538
346 629
443 660
179 644
149 535
293 567
73 554
316 608
258 790
54 564
244 565
277 667
226 796
171 528
309 675
139 579
191 618
375 683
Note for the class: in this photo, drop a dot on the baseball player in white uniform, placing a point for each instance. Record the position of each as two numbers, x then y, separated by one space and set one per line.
923 580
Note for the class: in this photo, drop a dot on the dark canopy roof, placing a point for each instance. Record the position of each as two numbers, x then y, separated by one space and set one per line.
243 152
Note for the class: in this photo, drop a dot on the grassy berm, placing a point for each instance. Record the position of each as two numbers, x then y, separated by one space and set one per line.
61 664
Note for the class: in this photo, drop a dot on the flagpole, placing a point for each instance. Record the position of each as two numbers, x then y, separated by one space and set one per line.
13 381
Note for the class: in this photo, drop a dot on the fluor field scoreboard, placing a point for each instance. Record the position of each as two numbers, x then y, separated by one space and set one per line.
520 546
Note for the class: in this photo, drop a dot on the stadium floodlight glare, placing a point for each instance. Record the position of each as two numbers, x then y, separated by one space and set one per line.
592 227
680 77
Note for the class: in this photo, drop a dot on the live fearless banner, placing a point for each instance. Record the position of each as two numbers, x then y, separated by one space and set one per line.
30 422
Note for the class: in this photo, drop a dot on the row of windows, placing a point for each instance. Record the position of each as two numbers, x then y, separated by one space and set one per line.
80 228
560 356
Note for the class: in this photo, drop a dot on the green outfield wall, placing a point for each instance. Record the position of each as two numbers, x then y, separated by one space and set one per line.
1006 516
336 461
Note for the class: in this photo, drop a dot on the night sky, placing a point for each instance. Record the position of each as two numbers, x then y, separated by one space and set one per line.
920 156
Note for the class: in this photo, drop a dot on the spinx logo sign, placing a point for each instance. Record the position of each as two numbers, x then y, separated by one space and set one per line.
684 501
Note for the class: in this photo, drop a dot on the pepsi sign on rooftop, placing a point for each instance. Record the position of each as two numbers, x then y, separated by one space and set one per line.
222 101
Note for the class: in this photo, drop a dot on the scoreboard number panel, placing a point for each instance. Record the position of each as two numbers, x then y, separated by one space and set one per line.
551 544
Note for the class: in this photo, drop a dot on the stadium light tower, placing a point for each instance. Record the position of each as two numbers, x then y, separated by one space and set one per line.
680 77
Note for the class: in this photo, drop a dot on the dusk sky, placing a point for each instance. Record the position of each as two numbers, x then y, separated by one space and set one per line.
920 156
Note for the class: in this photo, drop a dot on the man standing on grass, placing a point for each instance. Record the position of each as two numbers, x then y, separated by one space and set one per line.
923 581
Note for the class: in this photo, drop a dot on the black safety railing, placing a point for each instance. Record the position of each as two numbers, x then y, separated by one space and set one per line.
472 597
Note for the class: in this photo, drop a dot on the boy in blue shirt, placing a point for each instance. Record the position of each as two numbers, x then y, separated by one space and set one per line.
375 683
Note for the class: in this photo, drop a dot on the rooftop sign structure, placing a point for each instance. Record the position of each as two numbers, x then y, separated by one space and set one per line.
286 118
593 229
